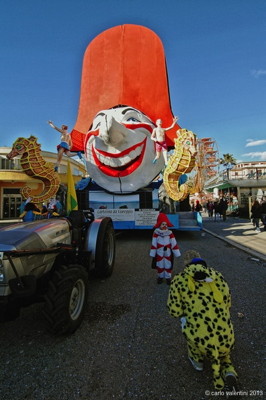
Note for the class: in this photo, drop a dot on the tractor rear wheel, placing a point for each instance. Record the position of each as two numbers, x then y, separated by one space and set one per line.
66 299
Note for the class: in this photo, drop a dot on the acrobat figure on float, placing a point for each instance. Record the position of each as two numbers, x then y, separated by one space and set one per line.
158 136
65 144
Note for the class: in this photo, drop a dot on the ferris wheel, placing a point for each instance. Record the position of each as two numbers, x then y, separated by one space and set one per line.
207 163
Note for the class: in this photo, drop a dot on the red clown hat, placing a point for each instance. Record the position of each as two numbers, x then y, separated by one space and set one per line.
162 218
124 65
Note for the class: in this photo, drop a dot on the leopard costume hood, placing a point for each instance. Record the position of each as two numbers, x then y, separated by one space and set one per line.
198 271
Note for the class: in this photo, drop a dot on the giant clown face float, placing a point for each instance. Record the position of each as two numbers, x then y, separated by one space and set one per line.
119 150
124 89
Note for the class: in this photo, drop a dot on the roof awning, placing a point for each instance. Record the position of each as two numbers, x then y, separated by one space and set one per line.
225 185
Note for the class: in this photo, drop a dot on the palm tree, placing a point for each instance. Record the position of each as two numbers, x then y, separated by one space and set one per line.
228 162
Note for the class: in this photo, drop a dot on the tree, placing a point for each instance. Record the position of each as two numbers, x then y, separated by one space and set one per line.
228 162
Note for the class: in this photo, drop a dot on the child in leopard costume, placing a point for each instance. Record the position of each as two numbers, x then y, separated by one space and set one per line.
201 298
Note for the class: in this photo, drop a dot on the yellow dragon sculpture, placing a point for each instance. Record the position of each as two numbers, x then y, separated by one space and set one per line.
181 162
35 166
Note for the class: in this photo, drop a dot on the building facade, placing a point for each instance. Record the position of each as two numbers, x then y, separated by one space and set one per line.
241 184
12 179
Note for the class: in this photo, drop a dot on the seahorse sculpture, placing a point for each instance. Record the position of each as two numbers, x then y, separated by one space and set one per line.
35 166
181 162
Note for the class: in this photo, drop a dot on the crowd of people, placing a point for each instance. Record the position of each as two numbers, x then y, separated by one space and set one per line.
213 208
218 209
31 212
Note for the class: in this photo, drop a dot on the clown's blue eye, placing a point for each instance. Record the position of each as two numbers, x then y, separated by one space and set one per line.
132 119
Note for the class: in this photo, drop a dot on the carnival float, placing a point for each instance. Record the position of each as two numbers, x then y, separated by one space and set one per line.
124 92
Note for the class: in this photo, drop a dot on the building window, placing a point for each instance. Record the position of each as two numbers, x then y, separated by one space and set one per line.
11 206
11 191
9 164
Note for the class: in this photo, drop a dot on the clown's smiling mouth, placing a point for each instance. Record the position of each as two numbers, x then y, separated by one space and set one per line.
120 164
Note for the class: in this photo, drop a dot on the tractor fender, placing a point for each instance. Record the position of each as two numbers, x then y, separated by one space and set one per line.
100 242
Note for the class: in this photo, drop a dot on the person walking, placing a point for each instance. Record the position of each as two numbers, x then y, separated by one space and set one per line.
217 210
198 206
201 298
210 208
256 214
263 212
223 205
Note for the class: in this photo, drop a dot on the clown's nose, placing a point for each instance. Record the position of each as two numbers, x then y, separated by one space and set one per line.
112 132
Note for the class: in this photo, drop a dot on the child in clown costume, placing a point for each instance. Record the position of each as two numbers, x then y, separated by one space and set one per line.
200 297
163 248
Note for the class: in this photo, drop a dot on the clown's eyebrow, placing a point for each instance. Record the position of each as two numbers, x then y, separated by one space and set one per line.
129 109
101 113
134 109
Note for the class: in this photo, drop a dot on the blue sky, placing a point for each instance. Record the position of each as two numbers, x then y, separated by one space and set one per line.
215 52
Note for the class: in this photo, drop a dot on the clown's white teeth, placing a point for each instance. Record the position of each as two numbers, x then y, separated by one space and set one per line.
121 161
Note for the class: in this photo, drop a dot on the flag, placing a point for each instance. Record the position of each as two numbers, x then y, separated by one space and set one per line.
72 203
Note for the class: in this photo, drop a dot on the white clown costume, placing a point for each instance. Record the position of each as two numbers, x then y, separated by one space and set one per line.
163 248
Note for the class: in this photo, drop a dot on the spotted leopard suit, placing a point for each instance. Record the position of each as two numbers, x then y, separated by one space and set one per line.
208 328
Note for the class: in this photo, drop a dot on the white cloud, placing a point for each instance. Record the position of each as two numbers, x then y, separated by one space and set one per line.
259 155
251 142
257 73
